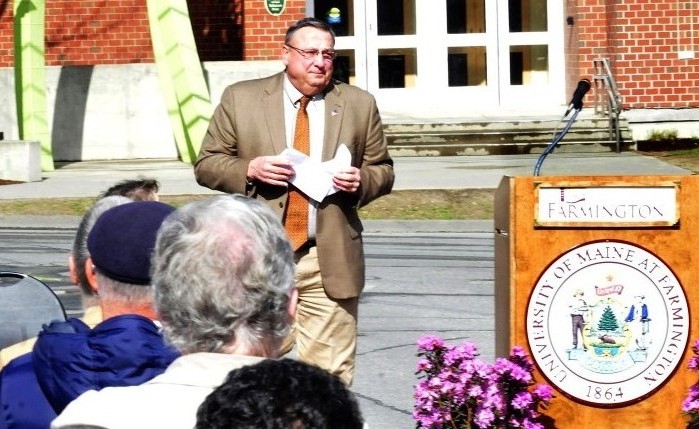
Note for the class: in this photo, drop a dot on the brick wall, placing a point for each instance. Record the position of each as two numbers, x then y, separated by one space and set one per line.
571 35
642 39
218 29
264 33
6 38
86 32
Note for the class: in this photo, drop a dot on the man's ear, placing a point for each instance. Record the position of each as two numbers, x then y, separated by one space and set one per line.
285 55
72 270
293 302
90 275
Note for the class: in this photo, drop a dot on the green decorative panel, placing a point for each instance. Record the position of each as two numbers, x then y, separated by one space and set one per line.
181 74
30 76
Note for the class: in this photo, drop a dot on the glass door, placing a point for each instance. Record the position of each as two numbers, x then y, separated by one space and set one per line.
392 47
433 57
471 61
531 60
347 18
449 57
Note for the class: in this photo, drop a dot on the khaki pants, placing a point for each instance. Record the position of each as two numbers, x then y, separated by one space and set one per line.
325 329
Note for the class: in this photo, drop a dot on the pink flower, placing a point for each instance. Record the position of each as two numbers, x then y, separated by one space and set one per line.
694 363
690 405
430 343
528 424
544 392
522 400
518 352
475 391
458 390
484 418
424 365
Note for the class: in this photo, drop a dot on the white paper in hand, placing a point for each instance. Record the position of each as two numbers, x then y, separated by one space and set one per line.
314 178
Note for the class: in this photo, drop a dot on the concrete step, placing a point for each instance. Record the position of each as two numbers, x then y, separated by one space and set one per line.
503 136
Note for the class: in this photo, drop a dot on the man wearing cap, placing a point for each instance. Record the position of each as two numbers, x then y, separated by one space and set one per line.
140 189
127 348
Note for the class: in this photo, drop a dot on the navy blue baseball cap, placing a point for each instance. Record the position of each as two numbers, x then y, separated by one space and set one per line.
122 240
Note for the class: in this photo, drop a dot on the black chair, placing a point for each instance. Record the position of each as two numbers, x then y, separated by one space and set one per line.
25 305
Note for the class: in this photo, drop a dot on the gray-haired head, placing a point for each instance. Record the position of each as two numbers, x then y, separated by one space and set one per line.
223 275
79 251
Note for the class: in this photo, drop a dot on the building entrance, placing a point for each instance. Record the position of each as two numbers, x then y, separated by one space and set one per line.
450 57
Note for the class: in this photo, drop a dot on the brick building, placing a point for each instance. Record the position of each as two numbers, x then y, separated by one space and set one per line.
651 44
420 58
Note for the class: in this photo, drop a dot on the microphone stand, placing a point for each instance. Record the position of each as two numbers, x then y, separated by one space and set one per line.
556 139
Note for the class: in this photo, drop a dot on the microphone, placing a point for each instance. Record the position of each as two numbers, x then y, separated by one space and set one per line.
575 104
577 101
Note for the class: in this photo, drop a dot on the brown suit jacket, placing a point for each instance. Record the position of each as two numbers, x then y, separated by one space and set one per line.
249 122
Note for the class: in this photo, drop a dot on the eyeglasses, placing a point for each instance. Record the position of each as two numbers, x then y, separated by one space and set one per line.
311 54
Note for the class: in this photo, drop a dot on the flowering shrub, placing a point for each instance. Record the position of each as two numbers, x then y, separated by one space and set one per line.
457 390
690 405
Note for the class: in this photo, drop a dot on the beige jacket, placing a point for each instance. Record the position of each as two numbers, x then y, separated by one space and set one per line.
249 122
169 400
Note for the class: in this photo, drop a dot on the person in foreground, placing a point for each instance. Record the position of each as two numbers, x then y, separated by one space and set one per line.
125 191
127 348
76 264
223 278
280 394
304 109
140 189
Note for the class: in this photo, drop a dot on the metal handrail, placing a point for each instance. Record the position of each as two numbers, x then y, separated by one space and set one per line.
608 101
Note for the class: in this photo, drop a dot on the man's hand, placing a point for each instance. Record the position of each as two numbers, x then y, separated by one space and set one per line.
347 180
274 170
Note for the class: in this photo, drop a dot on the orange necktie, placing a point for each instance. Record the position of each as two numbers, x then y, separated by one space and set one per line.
296 220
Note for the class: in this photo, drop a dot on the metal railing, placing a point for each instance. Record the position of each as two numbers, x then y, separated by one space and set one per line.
607 99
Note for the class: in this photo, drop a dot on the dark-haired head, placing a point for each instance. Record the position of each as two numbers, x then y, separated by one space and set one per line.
308 22
280 394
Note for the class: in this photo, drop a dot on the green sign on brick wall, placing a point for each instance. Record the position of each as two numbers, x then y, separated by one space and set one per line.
275 7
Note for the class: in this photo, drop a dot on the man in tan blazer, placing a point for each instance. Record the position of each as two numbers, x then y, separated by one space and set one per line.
241 153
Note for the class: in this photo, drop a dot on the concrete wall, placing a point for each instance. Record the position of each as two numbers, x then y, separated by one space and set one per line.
115 111
20 161
644 122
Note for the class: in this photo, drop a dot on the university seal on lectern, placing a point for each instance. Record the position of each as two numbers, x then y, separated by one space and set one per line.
607 323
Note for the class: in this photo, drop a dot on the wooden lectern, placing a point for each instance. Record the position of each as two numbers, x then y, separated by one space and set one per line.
598 277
